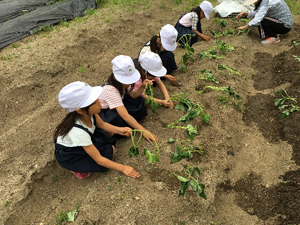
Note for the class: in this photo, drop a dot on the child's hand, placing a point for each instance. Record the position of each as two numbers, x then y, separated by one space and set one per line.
130 172
168 104
126 131
150 137
170 78
147 81
206 37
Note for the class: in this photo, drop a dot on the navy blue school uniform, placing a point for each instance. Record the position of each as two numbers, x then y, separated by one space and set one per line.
167 58
182 30
77 160
135 107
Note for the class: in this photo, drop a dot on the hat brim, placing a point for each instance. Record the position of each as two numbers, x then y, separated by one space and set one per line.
249 2
129 80
96 92
159 73
206 14
167 46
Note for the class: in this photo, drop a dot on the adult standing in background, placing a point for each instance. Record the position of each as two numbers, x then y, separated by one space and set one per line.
273 17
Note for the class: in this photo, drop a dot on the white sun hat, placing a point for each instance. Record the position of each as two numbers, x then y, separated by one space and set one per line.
207 8
249 2
124 70
78 95
152 63
168 35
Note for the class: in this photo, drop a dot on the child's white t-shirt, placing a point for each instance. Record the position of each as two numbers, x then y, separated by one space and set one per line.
77 136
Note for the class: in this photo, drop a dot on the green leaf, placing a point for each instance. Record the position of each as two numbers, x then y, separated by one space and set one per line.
171 140
277 102
71 215
133 151
194 185
196 169
183 187
201 191
185 154
151 157
182 179
205 117
183 68
181 106
176 157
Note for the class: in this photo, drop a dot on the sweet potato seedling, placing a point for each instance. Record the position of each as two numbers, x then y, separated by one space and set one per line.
185 41
134 150
192 110
206 75
185 149
287 108
150 100
191 176
230 71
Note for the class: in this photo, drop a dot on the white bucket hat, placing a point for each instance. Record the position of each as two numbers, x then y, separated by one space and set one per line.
124 70
152 63
78 95
168 35
249 2
207 8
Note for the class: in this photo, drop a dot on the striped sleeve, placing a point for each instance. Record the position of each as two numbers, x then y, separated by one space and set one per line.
110 97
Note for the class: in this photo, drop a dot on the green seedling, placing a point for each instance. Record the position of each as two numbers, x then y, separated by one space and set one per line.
184 42
185 149
227 90
224 47
134 150
296 57
206 75
192 110
288 108
243 31
6 203
221 22
210 54
229 70
68 216
150 100
171 140
191 179
192 130
228 33
296 42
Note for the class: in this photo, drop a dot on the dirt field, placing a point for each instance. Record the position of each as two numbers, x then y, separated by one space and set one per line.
251 159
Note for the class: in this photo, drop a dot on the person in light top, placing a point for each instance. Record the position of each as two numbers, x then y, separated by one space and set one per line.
81 144
121 106
190 24
272 17
151 69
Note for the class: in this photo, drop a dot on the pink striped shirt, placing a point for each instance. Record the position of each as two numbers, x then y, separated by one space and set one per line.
110 97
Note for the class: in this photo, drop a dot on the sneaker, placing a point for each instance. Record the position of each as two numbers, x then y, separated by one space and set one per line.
270 40
82 175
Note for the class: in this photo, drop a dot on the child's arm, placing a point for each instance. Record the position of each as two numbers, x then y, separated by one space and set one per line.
133 123
136 93
102 161
203 36
170 78
112 129
167 102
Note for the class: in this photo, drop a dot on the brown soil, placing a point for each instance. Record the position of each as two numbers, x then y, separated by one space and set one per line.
251 160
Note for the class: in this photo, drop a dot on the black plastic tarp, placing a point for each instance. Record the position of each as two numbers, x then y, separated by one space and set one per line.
11 9
26 24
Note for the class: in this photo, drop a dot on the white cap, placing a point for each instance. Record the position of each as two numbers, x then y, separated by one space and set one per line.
124 70
249 2
78 95
168 35
152 63
207 8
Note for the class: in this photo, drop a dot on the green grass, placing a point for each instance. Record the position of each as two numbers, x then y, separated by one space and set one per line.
294 6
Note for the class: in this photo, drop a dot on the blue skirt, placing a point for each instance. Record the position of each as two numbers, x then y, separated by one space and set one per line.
77 160
135 107
182 30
